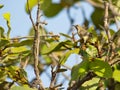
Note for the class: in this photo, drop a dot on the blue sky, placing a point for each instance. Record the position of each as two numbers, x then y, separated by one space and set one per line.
21 24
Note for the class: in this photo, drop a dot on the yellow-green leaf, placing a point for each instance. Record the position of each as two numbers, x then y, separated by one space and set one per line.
116 74
18 49
90 84
32 4
101 68
79 70
17 74
4 42
1 32
22 88
46 50
1 6
7 18
92 50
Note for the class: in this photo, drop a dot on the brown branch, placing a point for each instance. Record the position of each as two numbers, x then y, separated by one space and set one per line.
114 13
26 37
36 44
30 15
106 28
24 63
114 61
96 4
78 83
53 78
101 84
106 21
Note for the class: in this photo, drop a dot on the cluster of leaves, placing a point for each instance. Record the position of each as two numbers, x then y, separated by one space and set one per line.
94 54
12 52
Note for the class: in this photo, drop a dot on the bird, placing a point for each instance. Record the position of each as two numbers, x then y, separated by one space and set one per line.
82 33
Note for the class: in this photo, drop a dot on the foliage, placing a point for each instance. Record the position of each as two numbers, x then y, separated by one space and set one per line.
100 53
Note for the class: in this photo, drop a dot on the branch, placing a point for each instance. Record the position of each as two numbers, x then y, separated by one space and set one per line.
101 84
96 4
36 44
106 22
114 13
53 79
30 15
106 28
78 83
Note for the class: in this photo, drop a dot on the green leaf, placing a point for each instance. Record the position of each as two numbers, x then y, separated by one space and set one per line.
92 51
116 38
116 7
31 3
116 74
61 70
7 18
118 50
91 84
65 35
1 32
67 54
18 49
92 30
4 42
79 70
5 85
47 59
1 6
57 46
27 42
101 68
93 35
22 88
17 74
53 46
117 86
52 9
97 17
3 74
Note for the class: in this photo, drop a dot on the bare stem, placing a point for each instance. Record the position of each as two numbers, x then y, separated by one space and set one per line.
53 79
78 83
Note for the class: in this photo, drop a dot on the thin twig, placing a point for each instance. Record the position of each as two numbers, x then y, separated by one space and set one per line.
78 83
26 37
54 74
23 63
101 84
106 21
30 15
95 4
114 13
